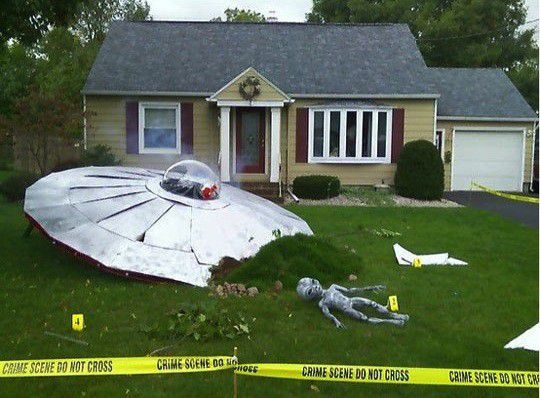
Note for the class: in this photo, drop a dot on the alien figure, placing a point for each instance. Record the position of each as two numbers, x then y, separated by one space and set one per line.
335 298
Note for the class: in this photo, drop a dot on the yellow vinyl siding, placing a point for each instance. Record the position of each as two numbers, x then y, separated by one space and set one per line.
449 127
106 124
268 93
418 125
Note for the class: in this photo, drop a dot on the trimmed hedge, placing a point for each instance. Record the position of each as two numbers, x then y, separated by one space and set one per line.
420 171
316 187
14 187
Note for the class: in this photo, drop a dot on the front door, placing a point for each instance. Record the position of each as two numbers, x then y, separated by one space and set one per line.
250 137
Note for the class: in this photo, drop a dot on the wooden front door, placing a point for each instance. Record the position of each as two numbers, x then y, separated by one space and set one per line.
250 140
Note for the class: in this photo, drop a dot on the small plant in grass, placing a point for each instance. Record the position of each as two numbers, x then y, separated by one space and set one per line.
14 186
200 322
420 171
290 258
316 187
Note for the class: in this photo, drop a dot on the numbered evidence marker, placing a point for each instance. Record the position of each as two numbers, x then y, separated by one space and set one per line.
417 263
393 303
77 322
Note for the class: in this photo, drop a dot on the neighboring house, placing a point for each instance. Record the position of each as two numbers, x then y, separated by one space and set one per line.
264 103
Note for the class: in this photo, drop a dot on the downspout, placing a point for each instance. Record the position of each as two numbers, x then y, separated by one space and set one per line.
84 122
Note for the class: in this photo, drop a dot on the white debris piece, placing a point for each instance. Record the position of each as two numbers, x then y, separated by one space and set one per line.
136 222
405 257
529 340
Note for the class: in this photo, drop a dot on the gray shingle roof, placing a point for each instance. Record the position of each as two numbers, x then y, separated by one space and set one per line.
478 92
299 58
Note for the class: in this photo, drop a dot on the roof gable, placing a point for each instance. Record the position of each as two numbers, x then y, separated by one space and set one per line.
299 58
268 91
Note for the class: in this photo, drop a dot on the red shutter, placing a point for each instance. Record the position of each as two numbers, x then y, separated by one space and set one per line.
187 127
301 135
132 127
398 121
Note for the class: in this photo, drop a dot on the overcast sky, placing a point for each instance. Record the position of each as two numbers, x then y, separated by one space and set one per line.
285 10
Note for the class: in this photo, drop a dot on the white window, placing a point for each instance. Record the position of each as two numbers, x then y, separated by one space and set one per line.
349 135
159 127
439 141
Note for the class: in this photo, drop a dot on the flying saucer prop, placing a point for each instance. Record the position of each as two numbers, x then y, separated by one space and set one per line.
173 225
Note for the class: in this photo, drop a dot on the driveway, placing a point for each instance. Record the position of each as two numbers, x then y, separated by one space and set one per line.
522 212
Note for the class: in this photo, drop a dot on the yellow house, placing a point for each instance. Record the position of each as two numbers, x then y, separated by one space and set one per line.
263 103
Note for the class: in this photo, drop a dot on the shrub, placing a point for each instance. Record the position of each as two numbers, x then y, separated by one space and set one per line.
100 155
290 258
14 187
316 187
66 165
420 171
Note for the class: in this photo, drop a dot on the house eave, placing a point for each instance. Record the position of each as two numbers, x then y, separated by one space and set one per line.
148 93
487 119
360 96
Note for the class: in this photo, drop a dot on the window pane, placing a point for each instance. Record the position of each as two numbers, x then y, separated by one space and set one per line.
351 135
159 128
367 124
334 133
318 133
381 135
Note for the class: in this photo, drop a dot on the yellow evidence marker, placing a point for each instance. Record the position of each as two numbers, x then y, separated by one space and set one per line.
417 263
77 322
393 303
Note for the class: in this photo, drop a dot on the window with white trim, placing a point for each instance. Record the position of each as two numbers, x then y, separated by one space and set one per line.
159 127
349 135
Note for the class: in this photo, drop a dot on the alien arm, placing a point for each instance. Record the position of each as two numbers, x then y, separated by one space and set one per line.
326 311
344 289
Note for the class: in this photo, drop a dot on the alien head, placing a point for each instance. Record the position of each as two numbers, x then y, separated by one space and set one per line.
309 288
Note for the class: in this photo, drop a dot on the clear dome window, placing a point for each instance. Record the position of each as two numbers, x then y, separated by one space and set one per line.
192 179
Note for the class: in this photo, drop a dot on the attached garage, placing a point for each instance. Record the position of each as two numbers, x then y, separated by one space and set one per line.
493 157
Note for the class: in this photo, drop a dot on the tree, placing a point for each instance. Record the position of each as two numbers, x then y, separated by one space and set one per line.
240 15
39 122
451 33
96 16
27 21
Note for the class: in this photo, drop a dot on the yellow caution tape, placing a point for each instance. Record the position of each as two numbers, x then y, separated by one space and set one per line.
114 366
392 375
527 199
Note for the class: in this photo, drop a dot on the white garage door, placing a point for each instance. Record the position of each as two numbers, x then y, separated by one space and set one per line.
490 158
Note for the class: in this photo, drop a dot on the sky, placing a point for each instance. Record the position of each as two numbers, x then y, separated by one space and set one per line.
285 10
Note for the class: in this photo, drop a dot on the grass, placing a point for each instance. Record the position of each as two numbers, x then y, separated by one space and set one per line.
460 317
369 195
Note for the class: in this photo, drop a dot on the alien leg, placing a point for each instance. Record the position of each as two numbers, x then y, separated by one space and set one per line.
359 316
381 309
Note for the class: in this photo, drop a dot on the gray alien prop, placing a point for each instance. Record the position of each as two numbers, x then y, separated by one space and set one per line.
334 298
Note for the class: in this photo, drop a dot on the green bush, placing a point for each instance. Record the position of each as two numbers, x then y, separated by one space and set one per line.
66 165
100 155
316 187
14 187
290 258
420 171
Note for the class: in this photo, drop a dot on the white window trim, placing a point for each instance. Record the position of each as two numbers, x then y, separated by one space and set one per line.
326 158
160 105
443 137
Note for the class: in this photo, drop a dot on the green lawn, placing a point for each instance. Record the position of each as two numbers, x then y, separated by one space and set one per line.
460 317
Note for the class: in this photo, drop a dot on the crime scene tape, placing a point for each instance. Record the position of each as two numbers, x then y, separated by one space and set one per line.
392 375
114 366
520 198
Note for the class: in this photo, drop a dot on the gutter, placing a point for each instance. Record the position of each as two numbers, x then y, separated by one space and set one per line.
488 119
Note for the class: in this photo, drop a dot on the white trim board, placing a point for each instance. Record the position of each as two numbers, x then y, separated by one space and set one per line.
486 119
